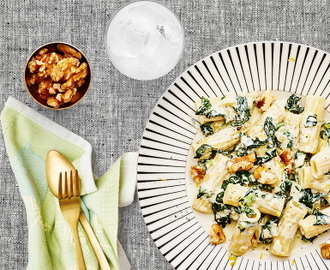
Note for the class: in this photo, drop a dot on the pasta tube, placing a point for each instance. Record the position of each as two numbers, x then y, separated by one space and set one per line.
216 173
320 162
243 233
223 139
307 180
293 213
202 205
257 130
311 124
266 203
292 125
233 193
269 203
308 227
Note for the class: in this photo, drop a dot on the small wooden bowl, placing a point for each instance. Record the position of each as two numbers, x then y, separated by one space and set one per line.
33 89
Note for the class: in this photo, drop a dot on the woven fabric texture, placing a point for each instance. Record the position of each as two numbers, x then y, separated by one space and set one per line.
113 115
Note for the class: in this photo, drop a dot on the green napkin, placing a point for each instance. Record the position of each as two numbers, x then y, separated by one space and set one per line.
28 137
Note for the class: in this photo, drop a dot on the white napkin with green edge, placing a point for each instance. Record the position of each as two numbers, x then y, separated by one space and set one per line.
28 137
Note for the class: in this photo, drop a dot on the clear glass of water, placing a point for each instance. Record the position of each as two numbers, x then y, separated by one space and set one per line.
144 40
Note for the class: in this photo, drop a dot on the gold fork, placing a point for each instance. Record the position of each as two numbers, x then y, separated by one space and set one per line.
69 201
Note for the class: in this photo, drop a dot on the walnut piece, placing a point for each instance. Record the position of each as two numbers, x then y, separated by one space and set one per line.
66 66
68 51
217 235
197 173
325 251
265 101
241 163
286 157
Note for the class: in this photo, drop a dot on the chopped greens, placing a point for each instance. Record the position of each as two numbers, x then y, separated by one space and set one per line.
285 188
325 133
206 109
242 110
221 211
311 121
248 199
270 130
207 129
205 106
321 219
247 210
266 235
269 156
248 143
292 104
245 178
308 198
303 238
201 193
205 151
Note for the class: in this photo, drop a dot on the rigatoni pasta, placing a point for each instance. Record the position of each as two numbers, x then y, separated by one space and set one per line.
265 165
294 212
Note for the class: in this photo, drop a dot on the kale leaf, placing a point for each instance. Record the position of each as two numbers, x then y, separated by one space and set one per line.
242 110
205 151
206 109
270 129
321 219
292 104
269 155
207 129
308 198
311 121
205 106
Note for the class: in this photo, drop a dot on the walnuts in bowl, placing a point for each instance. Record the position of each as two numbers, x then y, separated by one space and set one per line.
57 75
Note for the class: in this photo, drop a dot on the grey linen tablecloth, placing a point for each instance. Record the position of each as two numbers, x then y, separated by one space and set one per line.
118 105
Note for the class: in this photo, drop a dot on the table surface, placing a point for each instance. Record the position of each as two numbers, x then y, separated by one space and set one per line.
118 105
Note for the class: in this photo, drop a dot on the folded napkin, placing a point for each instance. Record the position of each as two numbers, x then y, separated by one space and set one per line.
28 137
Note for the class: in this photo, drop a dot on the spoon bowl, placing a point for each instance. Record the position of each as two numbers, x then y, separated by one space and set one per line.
56 163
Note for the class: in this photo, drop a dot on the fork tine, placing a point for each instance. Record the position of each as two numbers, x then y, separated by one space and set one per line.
69 184
76 184
60 190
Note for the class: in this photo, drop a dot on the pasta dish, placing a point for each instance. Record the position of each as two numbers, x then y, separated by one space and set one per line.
264 165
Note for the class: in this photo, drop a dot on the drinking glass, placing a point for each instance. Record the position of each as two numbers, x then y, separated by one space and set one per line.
144 40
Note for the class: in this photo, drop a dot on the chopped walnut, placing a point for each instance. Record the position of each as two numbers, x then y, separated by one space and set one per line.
68 51
64 67
53 102
217 235
241 163
265 101
325 251
286 157
197 173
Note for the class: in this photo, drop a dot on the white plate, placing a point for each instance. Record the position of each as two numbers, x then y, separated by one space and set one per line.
164 155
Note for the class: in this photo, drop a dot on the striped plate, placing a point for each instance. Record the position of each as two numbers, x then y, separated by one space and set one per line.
164 150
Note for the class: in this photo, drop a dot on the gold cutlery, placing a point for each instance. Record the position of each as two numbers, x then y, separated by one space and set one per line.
55 163
69 201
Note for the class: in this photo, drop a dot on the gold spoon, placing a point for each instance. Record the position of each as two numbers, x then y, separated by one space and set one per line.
56 163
